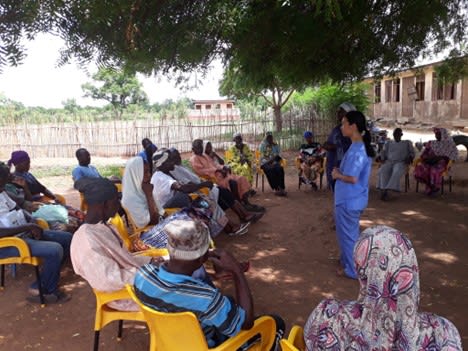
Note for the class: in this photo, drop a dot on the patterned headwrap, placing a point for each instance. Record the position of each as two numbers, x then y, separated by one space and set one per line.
18 157
160 157
385 315
446 146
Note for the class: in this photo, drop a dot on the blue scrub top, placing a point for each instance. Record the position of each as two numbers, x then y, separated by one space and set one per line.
357 164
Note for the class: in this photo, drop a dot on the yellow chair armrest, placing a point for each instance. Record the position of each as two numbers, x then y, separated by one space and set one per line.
265 326
42 223
153 253
23 252
60 199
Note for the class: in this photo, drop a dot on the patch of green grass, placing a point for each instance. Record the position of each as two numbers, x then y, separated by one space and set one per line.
52 171
109 170
60 171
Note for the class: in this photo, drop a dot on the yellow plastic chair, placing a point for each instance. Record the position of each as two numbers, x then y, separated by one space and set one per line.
119 224
106 314
295 340
24 257
58 198
134 228
83 203
42 223
181 331
259 170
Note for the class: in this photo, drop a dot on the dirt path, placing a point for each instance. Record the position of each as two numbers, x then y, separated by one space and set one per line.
292 251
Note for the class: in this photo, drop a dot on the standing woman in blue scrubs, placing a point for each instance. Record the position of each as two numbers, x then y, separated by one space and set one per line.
352 187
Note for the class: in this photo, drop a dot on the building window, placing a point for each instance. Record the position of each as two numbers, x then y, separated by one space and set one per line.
207 107
441 90
396 90
218 106
377 92
197 107
228 105
449 91
388 91
420 86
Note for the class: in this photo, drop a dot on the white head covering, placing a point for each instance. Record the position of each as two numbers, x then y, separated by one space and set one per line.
133 198
347 107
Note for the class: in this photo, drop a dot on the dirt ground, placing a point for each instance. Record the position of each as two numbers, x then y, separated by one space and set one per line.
292 250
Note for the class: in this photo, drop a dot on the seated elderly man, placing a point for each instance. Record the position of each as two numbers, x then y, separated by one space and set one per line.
171 288
169 192
51 246
395 157
97 252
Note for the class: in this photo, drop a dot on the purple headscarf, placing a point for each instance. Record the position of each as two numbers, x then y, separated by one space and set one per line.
17 157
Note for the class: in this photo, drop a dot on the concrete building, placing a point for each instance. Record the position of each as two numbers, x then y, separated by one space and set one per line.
417 95
223 109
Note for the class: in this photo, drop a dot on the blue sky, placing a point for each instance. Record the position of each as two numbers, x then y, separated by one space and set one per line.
39 82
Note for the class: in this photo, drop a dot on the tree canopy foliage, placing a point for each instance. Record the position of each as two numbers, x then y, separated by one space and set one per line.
236 84
118 87
301 41
325 99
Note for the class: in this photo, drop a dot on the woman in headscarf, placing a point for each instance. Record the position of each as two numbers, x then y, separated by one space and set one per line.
240 158
237 184
137 192
435 158
385 316
22 162
31 195
270 163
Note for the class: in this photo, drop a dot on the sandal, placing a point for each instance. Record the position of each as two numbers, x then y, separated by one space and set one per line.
243 229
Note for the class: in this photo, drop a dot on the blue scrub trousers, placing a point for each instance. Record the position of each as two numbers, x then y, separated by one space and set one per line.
347 232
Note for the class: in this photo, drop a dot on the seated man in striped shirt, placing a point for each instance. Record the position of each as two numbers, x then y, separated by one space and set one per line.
170 287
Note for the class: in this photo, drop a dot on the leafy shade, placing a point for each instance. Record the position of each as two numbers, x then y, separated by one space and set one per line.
309 41
119 88
302 42
327 97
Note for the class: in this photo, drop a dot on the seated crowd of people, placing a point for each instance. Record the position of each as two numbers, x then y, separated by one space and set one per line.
183 209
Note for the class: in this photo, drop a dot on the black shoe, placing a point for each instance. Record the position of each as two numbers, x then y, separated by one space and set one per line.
55 297
254 208
314 186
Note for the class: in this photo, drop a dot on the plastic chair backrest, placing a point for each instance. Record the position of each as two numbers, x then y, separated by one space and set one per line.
135 229
228 155
119 224
165 331
42 223
295 341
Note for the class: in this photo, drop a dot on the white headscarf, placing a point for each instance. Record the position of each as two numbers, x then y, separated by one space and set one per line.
133 197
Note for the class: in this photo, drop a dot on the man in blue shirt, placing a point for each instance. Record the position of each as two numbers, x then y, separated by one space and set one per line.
84 169
170 287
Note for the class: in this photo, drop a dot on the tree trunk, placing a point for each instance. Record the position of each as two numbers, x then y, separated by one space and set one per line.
278 118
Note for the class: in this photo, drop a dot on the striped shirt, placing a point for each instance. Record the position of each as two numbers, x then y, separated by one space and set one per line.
220 317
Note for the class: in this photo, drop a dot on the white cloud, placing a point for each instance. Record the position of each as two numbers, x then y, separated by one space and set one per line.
39 82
